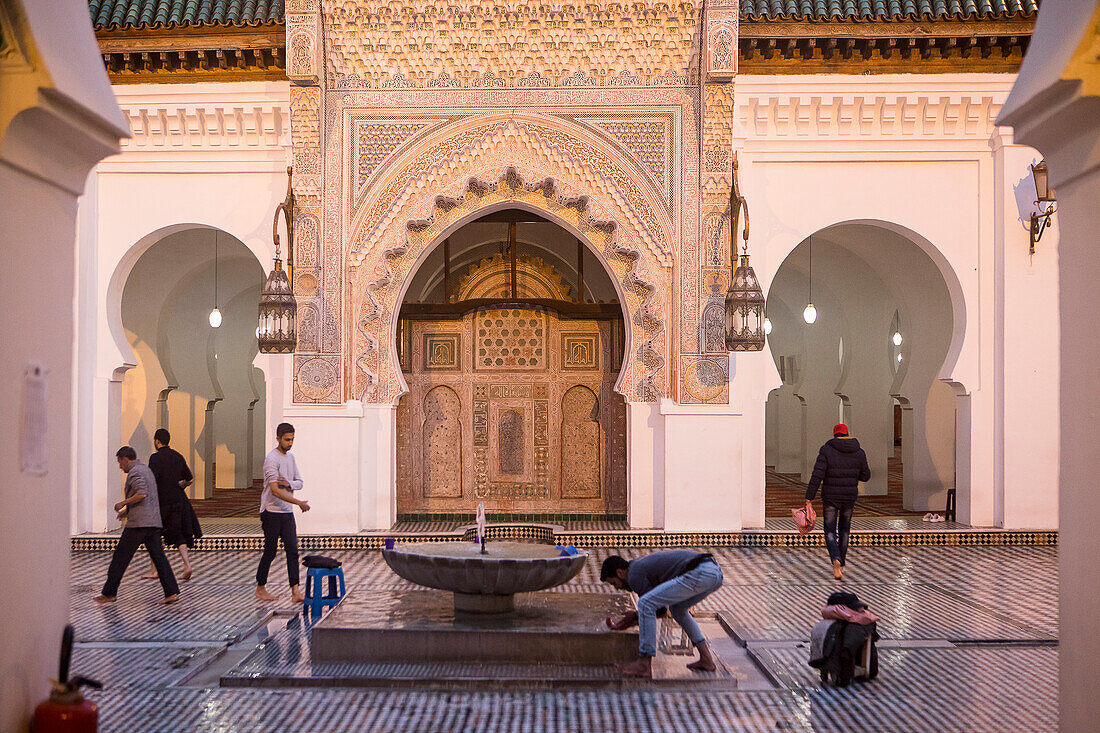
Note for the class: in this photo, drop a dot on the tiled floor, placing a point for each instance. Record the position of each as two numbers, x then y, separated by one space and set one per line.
955 632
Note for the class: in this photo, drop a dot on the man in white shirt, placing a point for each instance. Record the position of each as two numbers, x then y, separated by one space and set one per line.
281 480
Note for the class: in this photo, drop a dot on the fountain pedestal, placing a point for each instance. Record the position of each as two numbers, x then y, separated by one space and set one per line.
423 626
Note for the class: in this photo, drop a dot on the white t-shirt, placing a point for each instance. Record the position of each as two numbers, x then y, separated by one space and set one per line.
279 465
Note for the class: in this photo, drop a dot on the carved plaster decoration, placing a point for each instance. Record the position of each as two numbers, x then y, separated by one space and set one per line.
177 127
722 35
303 41
704 379
305 126
520 139
369 45
642 278
316 378
870 115
649 138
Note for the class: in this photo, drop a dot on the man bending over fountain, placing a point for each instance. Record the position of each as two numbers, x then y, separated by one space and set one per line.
671 579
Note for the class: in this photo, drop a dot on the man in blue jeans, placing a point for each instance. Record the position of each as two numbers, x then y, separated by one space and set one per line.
674 580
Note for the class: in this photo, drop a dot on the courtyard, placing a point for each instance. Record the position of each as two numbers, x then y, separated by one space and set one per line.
958 652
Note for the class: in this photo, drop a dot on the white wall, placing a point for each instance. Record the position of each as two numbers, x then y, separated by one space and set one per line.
212 155
57 118
913 152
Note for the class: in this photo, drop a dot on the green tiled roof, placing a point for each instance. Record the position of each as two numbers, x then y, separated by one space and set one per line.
886 10
130 14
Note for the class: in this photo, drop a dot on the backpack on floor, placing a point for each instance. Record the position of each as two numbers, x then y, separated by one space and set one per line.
848 654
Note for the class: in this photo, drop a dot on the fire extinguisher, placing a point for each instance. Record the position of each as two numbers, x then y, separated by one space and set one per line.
67 711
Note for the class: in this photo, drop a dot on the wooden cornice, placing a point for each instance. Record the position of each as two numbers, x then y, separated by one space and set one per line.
932 47
194 54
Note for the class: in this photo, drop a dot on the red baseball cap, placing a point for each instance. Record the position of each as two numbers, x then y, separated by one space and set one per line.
840 429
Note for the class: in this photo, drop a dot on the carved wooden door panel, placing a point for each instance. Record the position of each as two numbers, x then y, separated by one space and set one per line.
514 407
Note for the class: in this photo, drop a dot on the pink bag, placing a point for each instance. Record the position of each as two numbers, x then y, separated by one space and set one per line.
804 517
852 616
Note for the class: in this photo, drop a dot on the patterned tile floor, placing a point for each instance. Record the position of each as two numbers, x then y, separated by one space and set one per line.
954 632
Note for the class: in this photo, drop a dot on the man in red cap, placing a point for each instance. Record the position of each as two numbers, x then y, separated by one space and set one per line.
841 465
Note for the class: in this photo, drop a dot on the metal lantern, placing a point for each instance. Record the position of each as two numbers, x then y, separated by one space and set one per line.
744 310
277 332
744 299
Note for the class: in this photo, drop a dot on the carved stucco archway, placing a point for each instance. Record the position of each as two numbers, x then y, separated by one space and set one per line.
639 281
565 175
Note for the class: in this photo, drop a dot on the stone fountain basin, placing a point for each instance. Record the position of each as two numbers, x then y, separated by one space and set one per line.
484 583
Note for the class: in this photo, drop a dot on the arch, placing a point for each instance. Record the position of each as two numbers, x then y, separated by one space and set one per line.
873 274
190 375
573 152
635 276
946 270
581 460
442 443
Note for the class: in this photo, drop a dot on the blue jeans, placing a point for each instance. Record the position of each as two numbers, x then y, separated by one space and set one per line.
838 525
678 595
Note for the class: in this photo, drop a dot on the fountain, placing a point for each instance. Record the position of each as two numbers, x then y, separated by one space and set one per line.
482 620
484 578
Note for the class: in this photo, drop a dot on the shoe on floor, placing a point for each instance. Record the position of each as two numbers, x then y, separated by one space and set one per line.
927 517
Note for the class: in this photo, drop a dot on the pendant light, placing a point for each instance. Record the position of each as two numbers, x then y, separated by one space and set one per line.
745 322
809 315
277 330
215 317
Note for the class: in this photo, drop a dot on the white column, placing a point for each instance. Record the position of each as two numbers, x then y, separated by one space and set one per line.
59 119
645 465
703 467
327 451
378 466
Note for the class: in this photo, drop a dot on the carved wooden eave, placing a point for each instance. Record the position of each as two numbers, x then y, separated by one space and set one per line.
855 47
166 55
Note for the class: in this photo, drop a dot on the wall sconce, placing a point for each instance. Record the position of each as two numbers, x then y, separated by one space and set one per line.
278 309
745 322
1044 195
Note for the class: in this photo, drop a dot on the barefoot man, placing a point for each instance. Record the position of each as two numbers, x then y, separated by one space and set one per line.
281 480
142 513
671 579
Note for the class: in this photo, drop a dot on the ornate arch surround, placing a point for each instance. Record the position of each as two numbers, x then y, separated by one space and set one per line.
379 274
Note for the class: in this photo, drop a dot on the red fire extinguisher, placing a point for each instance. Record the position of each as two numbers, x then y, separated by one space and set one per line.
67 711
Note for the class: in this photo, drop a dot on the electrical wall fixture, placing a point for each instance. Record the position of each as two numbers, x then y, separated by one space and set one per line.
1044 201
215 317
745 322
896 338
767 327
277 331
809 315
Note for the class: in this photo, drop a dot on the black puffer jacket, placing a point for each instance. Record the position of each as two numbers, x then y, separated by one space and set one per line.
841 465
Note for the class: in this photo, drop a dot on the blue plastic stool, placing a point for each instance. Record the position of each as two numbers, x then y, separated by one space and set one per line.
315 600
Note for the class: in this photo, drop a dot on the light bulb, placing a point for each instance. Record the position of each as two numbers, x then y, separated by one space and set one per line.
810 314
899 358
215 318
897 338
767 327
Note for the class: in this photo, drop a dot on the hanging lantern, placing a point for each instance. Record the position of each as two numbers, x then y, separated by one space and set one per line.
277 330
744 299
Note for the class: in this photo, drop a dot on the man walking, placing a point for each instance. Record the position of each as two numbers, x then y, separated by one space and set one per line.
179 525
281 480
841 465
672 579
142 513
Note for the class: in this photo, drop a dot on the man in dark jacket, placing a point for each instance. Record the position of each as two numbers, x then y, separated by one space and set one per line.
841 465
